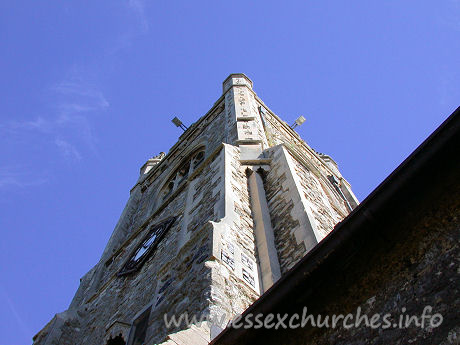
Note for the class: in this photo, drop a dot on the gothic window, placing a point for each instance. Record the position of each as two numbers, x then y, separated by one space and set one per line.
198 158
147 247
139 328
180 175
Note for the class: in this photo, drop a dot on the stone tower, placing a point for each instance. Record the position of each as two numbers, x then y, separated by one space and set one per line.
208 227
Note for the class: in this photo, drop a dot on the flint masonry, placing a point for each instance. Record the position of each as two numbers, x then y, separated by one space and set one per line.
207 229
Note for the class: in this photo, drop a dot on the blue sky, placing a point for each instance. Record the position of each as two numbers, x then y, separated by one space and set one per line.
88 89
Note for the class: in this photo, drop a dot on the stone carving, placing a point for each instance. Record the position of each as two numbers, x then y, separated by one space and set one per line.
159 156
208 259
249 278
117 330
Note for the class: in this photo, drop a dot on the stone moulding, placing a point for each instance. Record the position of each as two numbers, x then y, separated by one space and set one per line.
156 212
260 161
235 231
115 329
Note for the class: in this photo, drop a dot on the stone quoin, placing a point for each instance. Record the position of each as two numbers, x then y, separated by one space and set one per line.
208 228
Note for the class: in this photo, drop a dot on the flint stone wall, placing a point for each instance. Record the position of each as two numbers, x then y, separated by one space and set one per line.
303 206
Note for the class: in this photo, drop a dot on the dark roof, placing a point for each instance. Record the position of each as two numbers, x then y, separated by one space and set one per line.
416 179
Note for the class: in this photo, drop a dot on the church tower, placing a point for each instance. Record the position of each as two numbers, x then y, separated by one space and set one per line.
208 228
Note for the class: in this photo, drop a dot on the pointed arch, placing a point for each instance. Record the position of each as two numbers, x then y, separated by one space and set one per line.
185 168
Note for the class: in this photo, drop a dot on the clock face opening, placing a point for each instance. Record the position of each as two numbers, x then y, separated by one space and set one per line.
147 247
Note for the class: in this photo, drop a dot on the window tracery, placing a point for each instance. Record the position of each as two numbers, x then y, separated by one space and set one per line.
181 174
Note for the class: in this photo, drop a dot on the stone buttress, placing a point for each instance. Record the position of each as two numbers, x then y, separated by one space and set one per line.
208 227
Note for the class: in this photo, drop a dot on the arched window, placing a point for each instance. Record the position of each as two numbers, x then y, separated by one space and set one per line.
182 172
